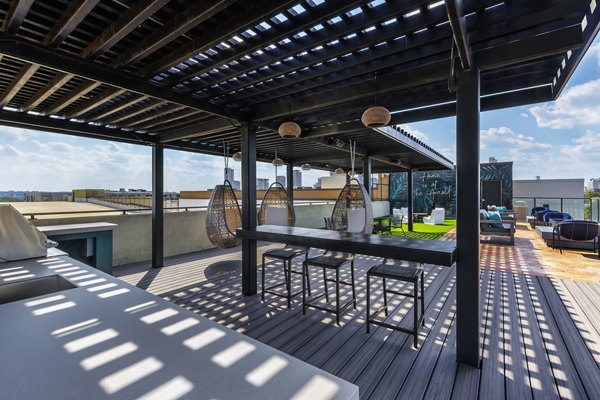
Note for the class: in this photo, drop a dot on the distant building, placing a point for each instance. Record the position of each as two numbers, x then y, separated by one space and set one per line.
545 189
595 184
493 160
236 185
230 175
281 179
48 196
317 184
336 181
297 178
262 184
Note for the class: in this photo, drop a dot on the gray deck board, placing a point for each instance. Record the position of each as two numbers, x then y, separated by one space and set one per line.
540 336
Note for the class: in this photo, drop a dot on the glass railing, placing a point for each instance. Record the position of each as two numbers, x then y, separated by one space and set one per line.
578 207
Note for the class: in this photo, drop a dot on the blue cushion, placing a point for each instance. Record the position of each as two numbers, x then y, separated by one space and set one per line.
495 217
501 208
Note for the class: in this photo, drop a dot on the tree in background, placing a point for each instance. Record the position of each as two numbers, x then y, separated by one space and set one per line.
587 209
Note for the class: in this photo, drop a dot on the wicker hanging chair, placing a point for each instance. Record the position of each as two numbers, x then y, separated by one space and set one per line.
276 197
223 217
353 196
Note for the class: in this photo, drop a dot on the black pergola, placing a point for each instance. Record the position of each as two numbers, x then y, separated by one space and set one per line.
189 75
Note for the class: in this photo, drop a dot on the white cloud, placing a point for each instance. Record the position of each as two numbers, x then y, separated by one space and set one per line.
594 51
578 105
524 115
504 138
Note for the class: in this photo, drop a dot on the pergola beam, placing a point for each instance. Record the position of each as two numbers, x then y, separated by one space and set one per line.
137 13
105 96
66 63
76 11
54 84
212 37
26 72
555 42
456 18
15 15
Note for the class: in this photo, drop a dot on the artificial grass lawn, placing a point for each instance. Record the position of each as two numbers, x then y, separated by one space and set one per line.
424 231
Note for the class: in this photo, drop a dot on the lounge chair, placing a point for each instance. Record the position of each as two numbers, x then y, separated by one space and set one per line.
497 227
436 218
578 230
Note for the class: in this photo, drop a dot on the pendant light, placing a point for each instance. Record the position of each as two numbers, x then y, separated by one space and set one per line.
277 162
306 167
237 156
289 129
339 171
376 116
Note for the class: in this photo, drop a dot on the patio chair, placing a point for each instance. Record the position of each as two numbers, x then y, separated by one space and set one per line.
556 215
334 260
578 230
275 211
223 217
492 224
402 271
398 219
436 218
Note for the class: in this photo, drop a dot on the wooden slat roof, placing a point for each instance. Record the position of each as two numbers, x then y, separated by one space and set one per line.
186 73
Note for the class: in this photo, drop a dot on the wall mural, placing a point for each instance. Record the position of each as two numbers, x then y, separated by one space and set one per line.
438 188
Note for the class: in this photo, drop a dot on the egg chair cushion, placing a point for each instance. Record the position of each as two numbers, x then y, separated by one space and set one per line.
356 219
277 216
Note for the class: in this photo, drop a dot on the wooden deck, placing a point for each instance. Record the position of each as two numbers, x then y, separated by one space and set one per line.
540 335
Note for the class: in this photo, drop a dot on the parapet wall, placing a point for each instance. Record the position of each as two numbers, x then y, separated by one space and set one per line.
184 231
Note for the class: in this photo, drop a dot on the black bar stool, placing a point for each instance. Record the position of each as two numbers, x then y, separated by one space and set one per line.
402 271
286 255
330 260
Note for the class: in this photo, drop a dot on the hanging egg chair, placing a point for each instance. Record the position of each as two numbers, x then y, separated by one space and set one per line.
276 207
353 210
223 216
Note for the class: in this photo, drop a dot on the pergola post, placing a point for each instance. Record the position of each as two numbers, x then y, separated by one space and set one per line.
366 168
157 207
467 218
290 181
248 141
409 198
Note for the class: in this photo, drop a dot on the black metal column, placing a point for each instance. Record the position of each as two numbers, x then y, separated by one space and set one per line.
157 207
290 181
248 139
409 198
366 167
467 218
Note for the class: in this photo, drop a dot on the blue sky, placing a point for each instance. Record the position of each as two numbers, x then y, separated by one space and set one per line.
553 140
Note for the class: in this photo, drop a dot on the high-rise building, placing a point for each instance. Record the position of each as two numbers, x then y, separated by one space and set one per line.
230 175
297 178
281 179
262 183
595 184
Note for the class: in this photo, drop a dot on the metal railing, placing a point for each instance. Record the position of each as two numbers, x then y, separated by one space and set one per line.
578 207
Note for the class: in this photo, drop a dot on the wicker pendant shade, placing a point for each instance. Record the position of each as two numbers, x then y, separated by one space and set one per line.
289 130
339 171
276 197
376 117
352 196
278 162
223 217
306 167
237 156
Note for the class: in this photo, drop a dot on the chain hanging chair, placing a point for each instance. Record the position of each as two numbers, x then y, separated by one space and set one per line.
353 210
223 215
276 207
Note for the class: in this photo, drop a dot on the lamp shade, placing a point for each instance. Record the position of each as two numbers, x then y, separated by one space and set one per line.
376 117
289 130
237 156
339 170
278 162
305 167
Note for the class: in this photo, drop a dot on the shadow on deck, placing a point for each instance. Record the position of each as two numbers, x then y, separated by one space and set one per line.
540 335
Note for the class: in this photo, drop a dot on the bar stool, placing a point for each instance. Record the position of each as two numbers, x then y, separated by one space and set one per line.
330 260
402 271
286 255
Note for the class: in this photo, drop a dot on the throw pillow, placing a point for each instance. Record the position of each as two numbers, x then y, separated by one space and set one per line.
495 217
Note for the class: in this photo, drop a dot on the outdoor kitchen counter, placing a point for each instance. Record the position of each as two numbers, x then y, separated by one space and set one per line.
107 339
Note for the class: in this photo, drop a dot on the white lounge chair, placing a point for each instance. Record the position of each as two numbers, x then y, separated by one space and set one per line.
436 218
